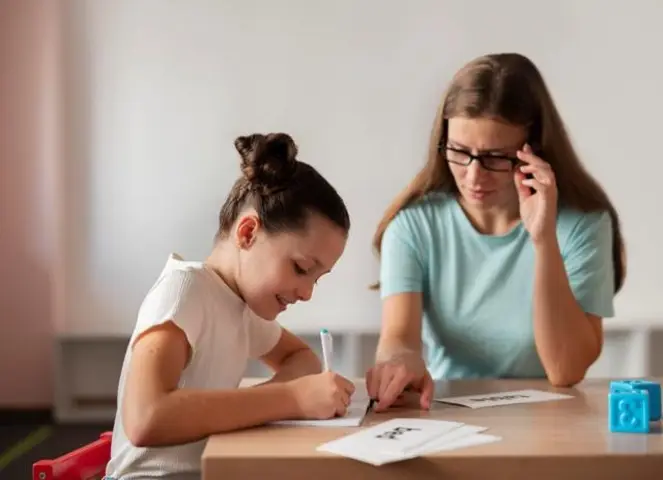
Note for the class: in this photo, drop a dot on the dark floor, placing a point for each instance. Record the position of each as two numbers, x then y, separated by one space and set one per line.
60 440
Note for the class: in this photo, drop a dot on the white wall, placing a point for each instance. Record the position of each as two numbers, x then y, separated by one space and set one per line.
157 91
29 159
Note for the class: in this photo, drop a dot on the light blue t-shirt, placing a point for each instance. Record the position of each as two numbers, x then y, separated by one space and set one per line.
477 289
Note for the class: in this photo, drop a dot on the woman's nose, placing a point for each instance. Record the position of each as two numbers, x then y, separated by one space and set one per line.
474 171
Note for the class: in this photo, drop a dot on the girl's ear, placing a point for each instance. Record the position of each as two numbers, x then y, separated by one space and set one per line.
247 230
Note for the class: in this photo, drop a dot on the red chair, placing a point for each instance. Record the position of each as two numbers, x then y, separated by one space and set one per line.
85 463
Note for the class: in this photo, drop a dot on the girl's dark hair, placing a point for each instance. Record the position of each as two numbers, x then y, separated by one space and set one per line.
283 190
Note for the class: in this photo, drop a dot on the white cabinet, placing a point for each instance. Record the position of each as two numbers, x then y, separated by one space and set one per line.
88 364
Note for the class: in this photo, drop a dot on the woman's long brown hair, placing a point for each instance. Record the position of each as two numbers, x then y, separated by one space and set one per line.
509 87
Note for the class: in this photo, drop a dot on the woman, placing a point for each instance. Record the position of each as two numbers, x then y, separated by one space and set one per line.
502 256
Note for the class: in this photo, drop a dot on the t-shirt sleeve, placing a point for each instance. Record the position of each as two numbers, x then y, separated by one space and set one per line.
402 265
263 335
174 297
589 264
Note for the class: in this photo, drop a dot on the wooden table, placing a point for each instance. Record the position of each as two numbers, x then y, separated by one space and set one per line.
564 439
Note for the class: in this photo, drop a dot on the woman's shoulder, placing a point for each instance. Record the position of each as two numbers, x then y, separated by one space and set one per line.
570 218
420 222
574 224
429 204
420 214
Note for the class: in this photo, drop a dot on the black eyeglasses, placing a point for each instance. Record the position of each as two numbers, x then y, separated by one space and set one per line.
489 161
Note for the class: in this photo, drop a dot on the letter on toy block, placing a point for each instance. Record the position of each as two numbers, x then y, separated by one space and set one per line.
653 388
628 411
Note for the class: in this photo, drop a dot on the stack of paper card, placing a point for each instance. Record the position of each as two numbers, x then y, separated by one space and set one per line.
405 438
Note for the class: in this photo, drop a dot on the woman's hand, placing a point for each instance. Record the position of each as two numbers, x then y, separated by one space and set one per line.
538 210
387 381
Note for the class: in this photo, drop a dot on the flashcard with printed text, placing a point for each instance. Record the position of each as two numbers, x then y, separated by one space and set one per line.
503 398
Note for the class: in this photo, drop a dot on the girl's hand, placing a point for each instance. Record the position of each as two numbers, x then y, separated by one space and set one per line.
538 210
322 396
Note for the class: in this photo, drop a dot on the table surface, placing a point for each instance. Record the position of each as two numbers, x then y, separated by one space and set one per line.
539 440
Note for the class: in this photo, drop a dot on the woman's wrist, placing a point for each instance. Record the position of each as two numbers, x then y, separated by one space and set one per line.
394 353
547 244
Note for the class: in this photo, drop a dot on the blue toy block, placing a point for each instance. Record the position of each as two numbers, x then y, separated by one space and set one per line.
628 411
653 388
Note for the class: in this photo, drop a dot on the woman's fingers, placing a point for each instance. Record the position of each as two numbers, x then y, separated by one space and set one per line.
523 191
399 378
535 184
527 155
544 175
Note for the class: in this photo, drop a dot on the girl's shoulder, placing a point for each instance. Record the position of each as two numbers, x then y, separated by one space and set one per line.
187 286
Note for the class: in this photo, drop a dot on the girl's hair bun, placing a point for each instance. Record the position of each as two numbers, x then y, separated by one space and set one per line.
268 161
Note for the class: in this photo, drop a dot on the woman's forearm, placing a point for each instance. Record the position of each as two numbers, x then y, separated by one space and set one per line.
565 340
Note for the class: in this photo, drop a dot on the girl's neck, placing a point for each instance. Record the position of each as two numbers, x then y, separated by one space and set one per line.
223 261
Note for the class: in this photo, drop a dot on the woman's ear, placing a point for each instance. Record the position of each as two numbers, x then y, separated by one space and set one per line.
247 230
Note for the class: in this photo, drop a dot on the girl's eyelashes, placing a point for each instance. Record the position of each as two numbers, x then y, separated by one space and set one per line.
298 269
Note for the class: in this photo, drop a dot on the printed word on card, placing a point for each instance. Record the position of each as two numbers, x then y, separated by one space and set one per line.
503 398
397 436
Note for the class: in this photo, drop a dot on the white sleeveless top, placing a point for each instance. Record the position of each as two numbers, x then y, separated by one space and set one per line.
223 333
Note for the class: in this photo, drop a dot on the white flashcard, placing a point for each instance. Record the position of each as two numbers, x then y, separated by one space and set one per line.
450 439
461 437
503 398
353 417
396 436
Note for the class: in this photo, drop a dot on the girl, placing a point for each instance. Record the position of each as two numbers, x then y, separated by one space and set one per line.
281 228
503 255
